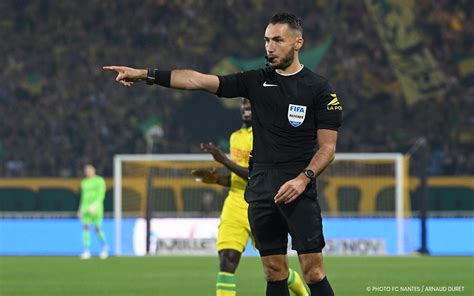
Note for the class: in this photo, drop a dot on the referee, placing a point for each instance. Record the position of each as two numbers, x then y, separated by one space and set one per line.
296 115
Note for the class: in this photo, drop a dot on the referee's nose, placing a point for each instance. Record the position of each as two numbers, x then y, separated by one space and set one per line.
269 47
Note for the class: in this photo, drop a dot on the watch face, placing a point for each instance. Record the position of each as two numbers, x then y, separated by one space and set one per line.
309 173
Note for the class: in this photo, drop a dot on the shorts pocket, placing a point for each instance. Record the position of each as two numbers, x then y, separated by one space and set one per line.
256 186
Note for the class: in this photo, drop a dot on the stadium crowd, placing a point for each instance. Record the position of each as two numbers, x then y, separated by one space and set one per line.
58 107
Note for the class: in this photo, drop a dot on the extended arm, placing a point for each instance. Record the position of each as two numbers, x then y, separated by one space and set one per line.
179 79
193 80
292 189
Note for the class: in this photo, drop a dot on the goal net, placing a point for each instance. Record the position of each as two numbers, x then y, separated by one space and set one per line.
363 197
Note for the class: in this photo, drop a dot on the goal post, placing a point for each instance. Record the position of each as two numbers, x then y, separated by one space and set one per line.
355 185
400 188
119 161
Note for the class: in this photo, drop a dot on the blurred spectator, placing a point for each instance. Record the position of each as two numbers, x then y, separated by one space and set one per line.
58 107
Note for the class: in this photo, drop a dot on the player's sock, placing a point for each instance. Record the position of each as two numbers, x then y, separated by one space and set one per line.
86 239
322 288
225 284
296 284
101 235
278 288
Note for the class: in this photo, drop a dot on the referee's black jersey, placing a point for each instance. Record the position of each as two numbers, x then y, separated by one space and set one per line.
287 110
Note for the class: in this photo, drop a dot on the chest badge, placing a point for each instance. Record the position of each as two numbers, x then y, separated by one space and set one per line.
296 114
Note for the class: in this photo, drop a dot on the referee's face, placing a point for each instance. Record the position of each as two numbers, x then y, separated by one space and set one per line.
281 44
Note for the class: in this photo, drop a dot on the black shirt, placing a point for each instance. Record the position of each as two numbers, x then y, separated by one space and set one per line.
287 111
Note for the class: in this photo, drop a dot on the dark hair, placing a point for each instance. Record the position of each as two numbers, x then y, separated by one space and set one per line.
291 20
88 162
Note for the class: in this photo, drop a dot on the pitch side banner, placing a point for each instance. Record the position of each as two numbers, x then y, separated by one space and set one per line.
361 247
171 236
197 236
344 236
413 64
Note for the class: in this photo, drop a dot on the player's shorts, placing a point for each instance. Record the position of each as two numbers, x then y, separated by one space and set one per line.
271 223
234 228
88 218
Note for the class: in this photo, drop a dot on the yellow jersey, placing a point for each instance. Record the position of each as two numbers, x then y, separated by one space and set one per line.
240 147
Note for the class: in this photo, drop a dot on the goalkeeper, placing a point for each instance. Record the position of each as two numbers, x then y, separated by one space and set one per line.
234 228
91 209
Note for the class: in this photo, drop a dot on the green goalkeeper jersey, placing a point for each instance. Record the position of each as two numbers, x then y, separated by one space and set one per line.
93 194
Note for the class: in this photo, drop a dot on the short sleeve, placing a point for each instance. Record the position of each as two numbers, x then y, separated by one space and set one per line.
328 108
233 85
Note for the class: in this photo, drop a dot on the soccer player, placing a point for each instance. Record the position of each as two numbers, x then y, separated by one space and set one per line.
234 229
91 209
296 116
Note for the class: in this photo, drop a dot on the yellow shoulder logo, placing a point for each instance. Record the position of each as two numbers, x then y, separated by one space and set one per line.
334 104
334 101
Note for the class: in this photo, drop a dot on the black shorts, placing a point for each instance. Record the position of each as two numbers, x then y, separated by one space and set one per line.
271 223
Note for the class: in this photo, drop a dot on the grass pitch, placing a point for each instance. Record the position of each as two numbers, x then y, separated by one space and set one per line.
180 276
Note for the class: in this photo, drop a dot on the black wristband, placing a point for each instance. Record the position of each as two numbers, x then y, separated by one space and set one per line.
150 76
155 76
163 78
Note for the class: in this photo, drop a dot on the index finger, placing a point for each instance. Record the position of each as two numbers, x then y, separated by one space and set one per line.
112 68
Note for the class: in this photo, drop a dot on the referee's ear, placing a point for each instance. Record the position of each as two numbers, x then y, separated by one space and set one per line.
299 43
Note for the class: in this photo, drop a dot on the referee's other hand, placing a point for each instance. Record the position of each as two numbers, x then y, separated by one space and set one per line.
126 75
291 190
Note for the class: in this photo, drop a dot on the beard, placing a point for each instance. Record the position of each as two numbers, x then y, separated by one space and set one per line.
285 62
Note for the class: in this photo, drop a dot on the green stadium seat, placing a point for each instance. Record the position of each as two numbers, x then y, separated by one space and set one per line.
17 200
57 200
163 200
445 199
131 200
109 201
463 199
348 199
385 201
193 200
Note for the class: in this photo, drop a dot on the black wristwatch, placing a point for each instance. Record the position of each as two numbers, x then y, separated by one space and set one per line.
150 76
309 174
